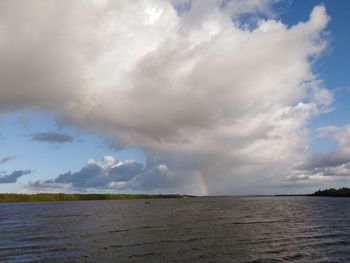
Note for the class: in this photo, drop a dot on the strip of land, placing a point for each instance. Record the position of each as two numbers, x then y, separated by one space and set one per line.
42 197
332 192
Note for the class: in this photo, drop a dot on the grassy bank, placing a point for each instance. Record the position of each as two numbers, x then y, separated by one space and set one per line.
4 198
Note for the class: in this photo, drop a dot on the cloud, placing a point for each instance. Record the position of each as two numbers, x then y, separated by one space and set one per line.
51 137
116 175
13 177
298 178
332 163
7 159
197 89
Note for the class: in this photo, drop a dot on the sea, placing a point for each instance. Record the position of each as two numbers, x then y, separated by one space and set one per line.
203 229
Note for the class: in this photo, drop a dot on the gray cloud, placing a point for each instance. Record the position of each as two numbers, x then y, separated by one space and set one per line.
339 156
13 177
111 174
201 89
334 163
323 160
51 137
298 178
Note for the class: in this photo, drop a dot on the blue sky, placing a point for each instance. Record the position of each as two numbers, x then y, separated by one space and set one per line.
48 160
93 133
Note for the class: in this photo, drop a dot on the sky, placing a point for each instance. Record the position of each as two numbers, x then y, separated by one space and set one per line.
215 97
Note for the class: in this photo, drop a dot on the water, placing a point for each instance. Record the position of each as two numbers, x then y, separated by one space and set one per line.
211 229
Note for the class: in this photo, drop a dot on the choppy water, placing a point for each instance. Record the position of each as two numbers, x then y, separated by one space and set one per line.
213 229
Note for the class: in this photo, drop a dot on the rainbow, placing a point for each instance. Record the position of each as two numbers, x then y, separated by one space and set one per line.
202 183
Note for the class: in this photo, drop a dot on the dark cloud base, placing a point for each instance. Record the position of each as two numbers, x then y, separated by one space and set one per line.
51 137
13 177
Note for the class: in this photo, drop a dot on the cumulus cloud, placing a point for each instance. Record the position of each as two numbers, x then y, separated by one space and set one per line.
117 175
51 137
332 163
196 87
12 177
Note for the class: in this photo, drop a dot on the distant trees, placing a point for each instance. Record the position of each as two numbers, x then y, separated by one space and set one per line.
73 197
341 192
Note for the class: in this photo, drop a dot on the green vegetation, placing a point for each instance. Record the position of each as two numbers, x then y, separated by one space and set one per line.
74 197
342 192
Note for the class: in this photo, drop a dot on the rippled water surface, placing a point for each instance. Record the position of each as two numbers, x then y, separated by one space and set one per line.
211 229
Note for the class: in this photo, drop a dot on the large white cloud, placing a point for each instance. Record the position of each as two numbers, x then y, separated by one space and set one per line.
197 88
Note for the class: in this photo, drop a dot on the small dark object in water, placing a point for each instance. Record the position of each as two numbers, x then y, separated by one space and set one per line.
148 202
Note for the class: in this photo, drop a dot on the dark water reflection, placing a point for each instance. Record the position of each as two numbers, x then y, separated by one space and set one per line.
213 229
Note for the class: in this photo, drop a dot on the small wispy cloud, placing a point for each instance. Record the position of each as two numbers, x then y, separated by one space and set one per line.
7 159
51 137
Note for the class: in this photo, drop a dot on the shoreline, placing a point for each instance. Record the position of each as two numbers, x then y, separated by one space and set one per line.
54 197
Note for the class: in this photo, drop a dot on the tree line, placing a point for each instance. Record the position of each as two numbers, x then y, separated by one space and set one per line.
341 192
75 197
